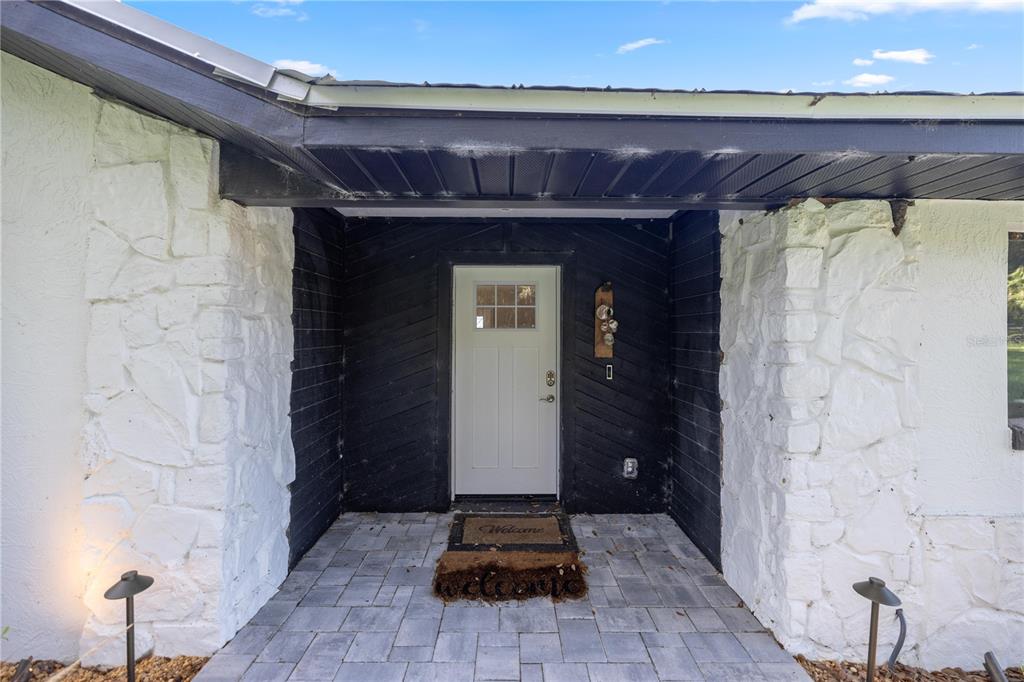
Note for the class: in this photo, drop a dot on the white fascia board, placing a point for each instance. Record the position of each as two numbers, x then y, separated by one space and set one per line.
697 104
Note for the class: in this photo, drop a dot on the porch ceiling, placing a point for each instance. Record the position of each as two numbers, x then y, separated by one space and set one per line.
281 151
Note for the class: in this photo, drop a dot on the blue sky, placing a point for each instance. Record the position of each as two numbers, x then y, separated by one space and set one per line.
947 45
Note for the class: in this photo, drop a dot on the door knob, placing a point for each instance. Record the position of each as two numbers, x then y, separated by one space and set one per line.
549 398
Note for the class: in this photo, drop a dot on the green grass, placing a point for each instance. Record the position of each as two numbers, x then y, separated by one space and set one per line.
1015 373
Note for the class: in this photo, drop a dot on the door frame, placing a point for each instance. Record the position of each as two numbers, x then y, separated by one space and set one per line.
566 262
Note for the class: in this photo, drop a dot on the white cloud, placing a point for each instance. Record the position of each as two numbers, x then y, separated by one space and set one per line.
866 80
306 67
860 61
973 46
823 84
916 56
859 10
273 9
637 44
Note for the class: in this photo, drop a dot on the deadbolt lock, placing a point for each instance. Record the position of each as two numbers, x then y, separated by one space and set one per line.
549 378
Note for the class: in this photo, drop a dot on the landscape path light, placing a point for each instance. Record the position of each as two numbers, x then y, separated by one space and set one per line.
130 584
875 590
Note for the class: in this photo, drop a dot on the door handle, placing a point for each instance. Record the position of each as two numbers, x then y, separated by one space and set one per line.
549 398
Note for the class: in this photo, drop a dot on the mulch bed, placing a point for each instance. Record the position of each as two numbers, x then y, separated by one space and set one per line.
841 671
152 669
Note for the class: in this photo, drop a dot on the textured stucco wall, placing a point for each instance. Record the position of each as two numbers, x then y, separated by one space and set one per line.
175 457
840 433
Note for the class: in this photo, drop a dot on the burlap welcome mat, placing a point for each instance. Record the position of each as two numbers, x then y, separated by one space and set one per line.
501 557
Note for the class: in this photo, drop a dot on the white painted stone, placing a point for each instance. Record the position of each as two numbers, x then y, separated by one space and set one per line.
911 444
124 137
864 409
135 202
852 216
883 529
961 532
105 351
158 377
103 645
166 533
803 267
803 381
177 307
217 418
797 437
135 481
856 261
1010 538
809 505
141 216
139 323
171 638
141 275
104 258
202 487
209 270
824 534
191 233
191 169
222 349
219 323
108 518
135 429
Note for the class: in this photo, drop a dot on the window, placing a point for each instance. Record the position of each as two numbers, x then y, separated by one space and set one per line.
506 306
1015 337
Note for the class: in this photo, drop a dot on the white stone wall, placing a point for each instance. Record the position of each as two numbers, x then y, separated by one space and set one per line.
837 435
183 453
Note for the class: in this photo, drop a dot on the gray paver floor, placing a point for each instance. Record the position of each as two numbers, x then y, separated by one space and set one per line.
359 607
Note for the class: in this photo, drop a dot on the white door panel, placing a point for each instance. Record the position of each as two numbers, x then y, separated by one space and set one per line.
505 431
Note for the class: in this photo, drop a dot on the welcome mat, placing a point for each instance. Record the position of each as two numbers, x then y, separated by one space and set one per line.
503 557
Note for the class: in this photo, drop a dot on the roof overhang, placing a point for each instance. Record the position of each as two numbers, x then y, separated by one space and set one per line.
294 141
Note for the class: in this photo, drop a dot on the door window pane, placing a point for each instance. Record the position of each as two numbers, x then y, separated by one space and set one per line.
526 318
506 306
506 294
485 294
506 318
485 318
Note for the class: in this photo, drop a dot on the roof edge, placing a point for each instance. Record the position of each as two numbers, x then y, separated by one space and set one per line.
327 93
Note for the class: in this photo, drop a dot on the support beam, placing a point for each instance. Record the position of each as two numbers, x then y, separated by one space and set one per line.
254 181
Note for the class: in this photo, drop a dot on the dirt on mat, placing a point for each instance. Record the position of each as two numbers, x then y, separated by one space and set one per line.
840 671
152 669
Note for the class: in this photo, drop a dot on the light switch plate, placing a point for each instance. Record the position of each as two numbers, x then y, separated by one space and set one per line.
608 372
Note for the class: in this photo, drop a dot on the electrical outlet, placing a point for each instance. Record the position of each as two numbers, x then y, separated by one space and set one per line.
630 467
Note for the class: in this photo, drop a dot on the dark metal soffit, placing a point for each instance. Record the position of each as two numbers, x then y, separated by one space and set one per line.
419 159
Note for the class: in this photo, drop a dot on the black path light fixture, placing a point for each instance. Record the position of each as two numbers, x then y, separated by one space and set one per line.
130 584
875 590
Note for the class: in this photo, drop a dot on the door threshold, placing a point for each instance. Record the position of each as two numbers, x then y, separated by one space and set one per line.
506 504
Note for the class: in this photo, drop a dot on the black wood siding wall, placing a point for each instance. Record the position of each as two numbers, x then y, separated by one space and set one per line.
395 414
316 400
695 466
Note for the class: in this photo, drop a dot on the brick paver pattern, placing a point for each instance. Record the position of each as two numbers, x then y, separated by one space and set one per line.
359 607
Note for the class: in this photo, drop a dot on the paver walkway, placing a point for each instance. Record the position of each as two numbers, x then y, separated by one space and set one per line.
359 607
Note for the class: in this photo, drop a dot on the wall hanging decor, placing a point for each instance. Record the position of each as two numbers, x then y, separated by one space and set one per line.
605 325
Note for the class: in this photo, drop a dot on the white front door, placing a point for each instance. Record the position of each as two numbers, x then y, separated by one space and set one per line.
506 400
